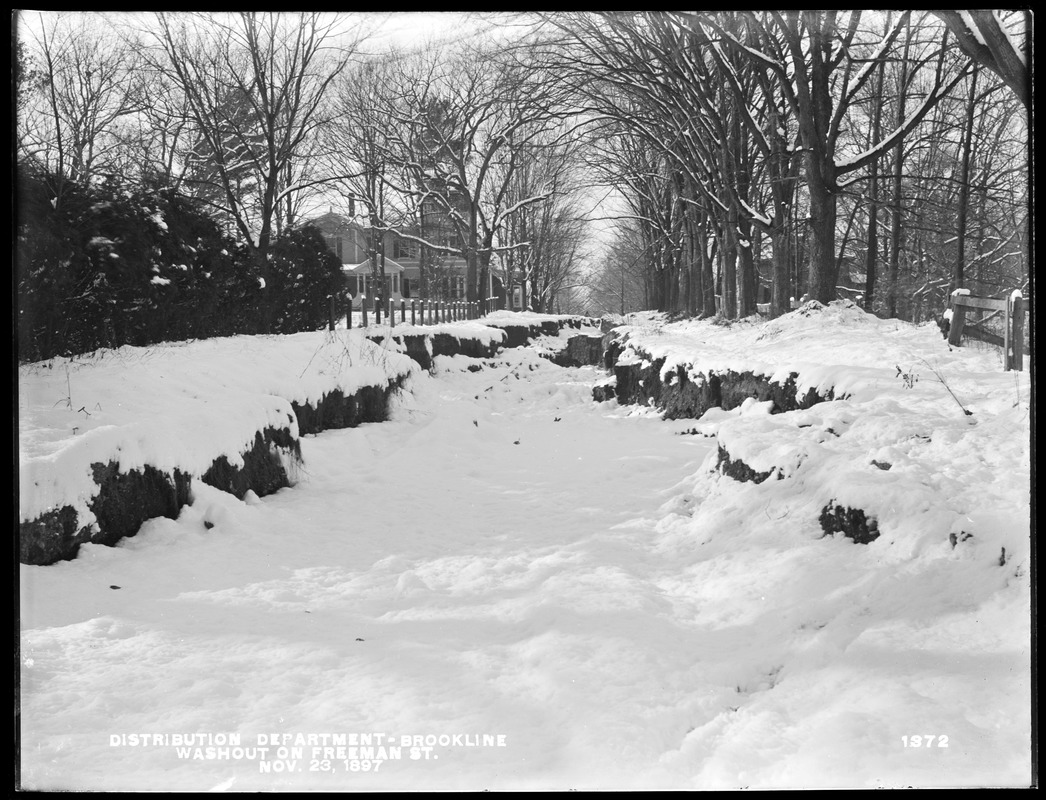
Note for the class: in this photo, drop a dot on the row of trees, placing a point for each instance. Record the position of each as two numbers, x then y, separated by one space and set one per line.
770 155
758 156
464 151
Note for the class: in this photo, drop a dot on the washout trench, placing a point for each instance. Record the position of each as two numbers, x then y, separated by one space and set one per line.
479 564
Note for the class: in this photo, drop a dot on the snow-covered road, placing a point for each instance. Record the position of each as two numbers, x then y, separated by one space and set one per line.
507 559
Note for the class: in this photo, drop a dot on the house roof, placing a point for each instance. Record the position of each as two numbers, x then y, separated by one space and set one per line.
364 267
333 222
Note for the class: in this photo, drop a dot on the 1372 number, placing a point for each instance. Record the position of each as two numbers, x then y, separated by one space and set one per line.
929 740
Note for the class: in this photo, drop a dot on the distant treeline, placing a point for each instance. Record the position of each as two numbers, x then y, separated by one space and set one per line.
105 265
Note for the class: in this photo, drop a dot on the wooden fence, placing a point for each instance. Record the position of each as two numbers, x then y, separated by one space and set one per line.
422 312
1012 339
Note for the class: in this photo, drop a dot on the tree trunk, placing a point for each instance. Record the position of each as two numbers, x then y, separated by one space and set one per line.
706 269
729 275
266 305
824 269
958 272
484 277
746 260
472 261
693 287
780 241
898 163
871 255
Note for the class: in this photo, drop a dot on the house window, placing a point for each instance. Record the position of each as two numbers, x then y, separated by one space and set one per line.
337 246
404 248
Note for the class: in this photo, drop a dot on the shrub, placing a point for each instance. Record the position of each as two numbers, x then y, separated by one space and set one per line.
305 274
105 265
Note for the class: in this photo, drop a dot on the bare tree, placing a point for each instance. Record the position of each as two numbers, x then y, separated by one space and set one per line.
85 78
359 151
255 85
722 128
997 40
464 124
822 65
619 284
540 243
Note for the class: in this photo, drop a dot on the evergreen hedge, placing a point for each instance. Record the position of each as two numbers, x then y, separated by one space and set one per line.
107 265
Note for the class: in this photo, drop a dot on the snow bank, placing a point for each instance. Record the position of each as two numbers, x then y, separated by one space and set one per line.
929 441
175 406
531 318
469 330
840 347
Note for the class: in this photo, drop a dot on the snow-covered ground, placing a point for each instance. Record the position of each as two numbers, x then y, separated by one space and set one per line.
568 593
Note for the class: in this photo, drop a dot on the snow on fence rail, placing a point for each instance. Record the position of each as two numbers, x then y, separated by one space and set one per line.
1012 340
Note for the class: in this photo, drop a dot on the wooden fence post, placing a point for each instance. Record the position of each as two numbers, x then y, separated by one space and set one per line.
330 313
377 311
403 311
958 318
413 316
1015 333
363 310
1007 341
348 315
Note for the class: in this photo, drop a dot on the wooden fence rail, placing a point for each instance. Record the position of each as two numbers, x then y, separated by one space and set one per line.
763 308
1013 324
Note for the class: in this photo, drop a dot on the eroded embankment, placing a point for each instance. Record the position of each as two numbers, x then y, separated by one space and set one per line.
465 339
686 391
126 499
123 500
519 333
483 339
